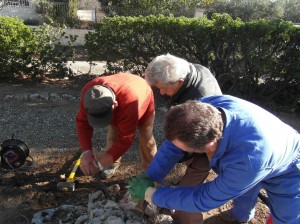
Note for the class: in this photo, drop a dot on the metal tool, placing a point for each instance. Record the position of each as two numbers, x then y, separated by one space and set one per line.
69 184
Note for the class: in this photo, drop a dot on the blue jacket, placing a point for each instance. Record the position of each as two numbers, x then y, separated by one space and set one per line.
255 147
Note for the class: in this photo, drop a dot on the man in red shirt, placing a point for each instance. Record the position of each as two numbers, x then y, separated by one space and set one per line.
123 103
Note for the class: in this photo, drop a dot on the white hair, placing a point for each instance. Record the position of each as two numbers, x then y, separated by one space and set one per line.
166 68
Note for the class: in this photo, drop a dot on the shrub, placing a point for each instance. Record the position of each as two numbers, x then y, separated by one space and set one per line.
31 52
253 60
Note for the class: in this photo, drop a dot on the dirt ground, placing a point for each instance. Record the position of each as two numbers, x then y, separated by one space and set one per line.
48 128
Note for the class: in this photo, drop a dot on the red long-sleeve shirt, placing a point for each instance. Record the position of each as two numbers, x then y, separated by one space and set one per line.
135 105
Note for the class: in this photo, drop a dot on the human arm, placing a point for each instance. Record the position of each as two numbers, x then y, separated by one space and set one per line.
124 123
85 133
230 184
84 130
238 173
164 160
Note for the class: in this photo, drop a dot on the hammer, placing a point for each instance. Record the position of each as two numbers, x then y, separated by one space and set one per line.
69 185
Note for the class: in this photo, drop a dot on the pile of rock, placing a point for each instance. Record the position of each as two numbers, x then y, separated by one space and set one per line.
102 208
41 96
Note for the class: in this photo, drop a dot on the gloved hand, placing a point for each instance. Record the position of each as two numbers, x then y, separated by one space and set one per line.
138 186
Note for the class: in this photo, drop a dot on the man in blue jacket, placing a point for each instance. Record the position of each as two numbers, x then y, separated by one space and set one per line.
249 149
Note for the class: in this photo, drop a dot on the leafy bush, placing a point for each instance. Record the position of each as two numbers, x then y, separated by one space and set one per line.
153 7
254 60
31 52
251 10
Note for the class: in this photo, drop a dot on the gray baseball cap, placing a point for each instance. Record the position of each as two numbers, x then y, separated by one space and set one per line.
98 102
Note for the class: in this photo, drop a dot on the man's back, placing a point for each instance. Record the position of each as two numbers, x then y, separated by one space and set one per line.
199 82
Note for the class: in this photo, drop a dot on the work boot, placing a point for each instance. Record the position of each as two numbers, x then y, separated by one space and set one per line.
226 216
108 173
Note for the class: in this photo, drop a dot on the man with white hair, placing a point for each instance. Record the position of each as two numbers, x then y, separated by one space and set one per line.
182 81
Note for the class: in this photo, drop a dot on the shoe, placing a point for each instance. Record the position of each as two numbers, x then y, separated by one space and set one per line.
108 173
226 216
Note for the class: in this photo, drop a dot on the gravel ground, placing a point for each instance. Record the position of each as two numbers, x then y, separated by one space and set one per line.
41 125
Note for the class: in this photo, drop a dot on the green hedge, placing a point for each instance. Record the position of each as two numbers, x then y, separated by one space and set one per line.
15 42
31 52
255 60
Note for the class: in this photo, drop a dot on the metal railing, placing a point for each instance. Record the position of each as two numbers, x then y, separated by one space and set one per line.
15 3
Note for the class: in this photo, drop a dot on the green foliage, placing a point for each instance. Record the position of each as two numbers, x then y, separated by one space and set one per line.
73 6
134 41
250 10
14 51
60 14
31 52
152 7
255 60
292 10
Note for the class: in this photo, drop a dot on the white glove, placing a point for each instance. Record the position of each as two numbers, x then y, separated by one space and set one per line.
148 194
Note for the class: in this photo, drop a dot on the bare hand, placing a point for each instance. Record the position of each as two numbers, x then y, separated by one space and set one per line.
87 164
106 160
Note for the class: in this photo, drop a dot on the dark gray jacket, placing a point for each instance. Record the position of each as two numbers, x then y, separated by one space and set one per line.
199 82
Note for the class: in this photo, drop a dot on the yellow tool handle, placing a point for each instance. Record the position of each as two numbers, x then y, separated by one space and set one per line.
72 174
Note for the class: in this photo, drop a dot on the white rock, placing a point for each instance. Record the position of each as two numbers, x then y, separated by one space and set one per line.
114 189
68 97
126 203
44 95
45 216
151 210
21 96
133 222
34 96
101 211
163 219
54 96
114 220
8 97
82 219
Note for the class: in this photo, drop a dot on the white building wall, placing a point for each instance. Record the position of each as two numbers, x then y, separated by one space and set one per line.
79 33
